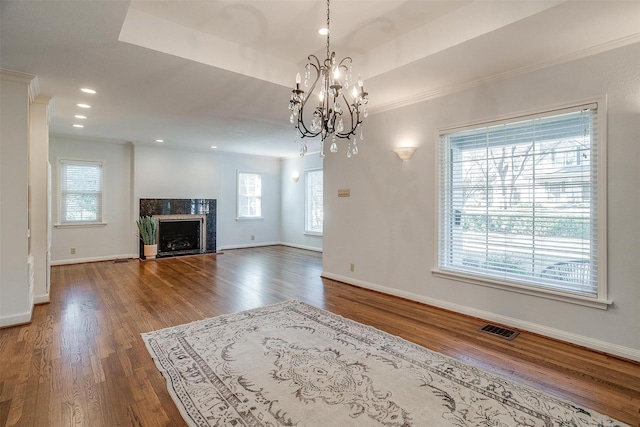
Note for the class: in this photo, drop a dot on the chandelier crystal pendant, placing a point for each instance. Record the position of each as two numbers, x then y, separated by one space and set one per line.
338 108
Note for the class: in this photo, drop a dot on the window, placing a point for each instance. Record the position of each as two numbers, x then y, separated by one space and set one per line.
249 195
519 205
313 202
80 192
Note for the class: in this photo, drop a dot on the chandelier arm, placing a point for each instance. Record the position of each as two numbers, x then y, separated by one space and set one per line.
317 68
301 125
314 58
354 117
304 132
342 64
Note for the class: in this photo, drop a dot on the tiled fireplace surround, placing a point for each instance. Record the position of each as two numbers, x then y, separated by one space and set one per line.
184 209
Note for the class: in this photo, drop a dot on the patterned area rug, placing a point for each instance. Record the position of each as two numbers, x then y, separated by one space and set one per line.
291 364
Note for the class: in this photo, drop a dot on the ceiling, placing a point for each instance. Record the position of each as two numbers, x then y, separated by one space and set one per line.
219 72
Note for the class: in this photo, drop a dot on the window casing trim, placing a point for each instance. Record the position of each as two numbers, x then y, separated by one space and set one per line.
307 231
243 217
601 300
601 303
79 224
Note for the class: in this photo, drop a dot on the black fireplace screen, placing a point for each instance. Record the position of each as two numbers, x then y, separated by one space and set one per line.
179 237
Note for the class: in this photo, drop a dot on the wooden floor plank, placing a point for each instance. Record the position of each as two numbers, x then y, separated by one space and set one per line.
81 361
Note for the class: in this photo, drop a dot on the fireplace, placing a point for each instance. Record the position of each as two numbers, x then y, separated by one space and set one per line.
177 221
181 234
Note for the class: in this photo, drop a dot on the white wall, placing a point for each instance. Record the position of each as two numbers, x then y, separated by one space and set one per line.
387 226
16 295
293 202
141 171
164 173
95 243
168 173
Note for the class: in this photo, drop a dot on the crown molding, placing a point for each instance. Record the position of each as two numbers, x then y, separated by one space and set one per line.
449 90
34 89
30 80
16 76
49 102
86 138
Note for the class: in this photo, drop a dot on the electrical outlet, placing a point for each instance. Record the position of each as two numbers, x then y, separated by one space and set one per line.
253 237
352 267
73 251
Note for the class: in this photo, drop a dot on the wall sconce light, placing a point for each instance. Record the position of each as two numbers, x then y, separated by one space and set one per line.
295 177
404 153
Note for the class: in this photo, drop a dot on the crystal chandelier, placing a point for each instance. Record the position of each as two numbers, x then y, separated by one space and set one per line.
338 108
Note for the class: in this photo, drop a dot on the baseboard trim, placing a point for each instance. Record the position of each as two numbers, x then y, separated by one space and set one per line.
41 299
93 259
129 256
16 319
258 245
597 345
248 245
308 248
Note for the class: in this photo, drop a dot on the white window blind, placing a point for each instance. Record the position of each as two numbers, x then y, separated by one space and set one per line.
80 192
314 213
249 195
519 202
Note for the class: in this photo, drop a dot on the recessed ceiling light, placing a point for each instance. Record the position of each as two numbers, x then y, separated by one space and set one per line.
159 140
79 116
87 90
323 31
78 126
214 147
84 105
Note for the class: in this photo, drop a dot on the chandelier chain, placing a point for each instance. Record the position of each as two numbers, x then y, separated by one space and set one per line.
328 30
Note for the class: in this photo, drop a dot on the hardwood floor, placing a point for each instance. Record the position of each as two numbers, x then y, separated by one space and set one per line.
81 360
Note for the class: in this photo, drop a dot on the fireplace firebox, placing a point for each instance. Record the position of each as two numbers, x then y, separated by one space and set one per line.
181 234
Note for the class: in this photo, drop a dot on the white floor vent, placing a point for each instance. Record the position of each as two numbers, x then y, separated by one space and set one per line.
507 334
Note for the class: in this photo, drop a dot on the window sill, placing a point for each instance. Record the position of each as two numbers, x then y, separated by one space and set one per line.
601 304
312 233
249 218
81 225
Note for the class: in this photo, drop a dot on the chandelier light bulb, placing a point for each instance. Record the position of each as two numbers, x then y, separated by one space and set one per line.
298 79
336 73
